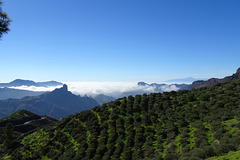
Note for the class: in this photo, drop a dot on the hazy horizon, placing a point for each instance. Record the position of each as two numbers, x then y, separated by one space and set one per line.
114 89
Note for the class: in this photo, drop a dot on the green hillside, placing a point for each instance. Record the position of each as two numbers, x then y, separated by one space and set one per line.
197 124
24 121
17 125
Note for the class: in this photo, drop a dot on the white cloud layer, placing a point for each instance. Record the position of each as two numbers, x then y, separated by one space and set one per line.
115 89
36 89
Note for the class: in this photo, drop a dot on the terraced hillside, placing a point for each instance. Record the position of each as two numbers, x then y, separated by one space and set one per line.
24 121
198 124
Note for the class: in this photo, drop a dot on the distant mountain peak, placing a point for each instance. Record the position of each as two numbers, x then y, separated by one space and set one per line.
18 82
142 84
22 82
65 87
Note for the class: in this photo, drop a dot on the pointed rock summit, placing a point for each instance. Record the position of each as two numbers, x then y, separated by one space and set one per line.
65 88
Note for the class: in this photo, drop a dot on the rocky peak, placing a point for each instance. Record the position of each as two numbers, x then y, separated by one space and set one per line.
237 74
64 88
142 84
60 91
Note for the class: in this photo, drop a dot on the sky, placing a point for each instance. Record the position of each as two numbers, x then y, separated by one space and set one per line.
120 40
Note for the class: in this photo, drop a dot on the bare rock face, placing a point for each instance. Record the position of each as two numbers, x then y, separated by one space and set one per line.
213 81
237 74
65 88
210 82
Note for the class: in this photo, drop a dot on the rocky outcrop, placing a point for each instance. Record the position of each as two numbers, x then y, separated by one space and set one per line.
57 104
213 81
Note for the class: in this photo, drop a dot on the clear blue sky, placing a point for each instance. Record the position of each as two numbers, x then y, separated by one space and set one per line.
120 40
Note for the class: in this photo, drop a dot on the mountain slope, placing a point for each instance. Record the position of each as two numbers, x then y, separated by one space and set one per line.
195 124
213 81
101 98
58 104
24 121
64 98
6 93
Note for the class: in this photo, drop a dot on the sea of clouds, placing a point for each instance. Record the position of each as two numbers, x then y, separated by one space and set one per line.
114 89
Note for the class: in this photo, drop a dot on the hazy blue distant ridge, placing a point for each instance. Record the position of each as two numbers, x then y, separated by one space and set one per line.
21 82
188 79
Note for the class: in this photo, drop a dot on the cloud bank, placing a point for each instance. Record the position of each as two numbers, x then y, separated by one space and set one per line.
36 89
114 89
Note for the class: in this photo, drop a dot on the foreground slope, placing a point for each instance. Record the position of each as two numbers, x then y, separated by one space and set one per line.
17 125
195 124
24 121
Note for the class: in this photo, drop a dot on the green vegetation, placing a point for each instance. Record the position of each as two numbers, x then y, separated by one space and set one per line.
208 133
229 156
34 142
232 125
98 117
178 143
191 137
18 115
73 141
198 124
4 21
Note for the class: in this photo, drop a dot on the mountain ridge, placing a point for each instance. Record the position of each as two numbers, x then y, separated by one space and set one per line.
24 121
213 81
6 93
21 82
58 103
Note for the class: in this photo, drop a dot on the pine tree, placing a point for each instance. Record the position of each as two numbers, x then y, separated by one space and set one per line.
8 135
4 21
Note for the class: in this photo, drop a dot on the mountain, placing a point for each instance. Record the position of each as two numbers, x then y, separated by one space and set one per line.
101 98
20 82
6 93
50 83
185 125
24 121
213 81
64 98
188 79
58 104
